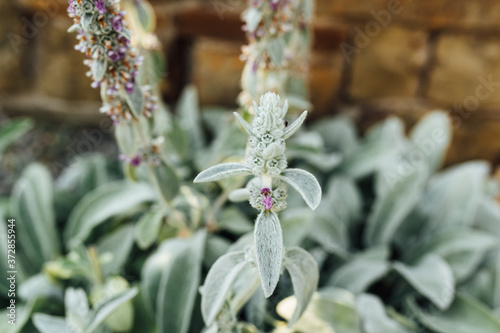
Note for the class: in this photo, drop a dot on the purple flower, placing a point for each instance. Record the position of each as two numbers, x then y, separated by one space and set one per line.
274 4
101 6
112 55
111 91
71 9
153 107
129 87
117 23
122 52
254 67
124 40
267 200
135 161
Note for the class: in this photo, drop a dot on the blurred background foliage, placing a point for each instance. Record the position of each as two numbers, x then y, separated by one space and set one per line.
431 54
403 245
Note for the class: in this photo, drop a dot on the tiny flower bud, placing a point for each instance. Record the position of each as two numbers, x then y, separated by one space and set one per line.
135 161
101 6
267 200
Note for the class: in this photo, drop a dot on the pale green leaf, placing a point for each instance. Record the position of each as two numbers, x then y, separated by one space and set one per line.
432 136
339 133
119 244
218 284
381 145
462 249
126 138
246 126
232 220
77 308
465 315
50 324
304 273
146 15
246 288
148 228
295 125
432 277
168 180
331 310
221 171
390 209
374 318
305 183
361 272
39 286
104 202
343 200
269 250
296 224
330 233
135 100
106 308
488 216
32 205
496 282
99 68
86 20
22 317
216 247
180 281
276 50
252 17
189 113
453 197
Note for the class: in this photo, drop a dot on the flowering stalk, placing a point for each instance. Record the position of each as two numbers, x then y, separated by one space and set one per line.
113 62
277 55
267 193
114 68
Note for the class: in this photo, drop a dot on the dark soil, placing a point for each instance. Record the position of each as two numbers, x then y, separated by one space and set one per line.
55 145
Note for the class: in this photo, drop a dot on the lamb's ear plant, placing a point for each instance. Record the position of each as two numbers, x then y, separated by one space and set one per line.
266 192
400 245
128 79
80 318
277 56
403 248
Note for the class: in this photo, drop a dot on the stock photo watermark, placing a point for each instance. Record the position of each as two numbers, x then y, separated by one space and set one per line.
471 103
363 37
11 271
227 6
424 311
31 27
431 145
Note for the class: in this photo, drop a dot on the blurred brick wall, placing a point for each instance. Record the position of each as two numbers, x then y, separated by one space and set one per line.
372 57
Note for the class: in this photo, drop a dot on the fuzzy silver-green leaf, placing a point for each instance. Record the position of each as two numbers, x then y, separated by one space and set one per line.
269 250
305 183
221 171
